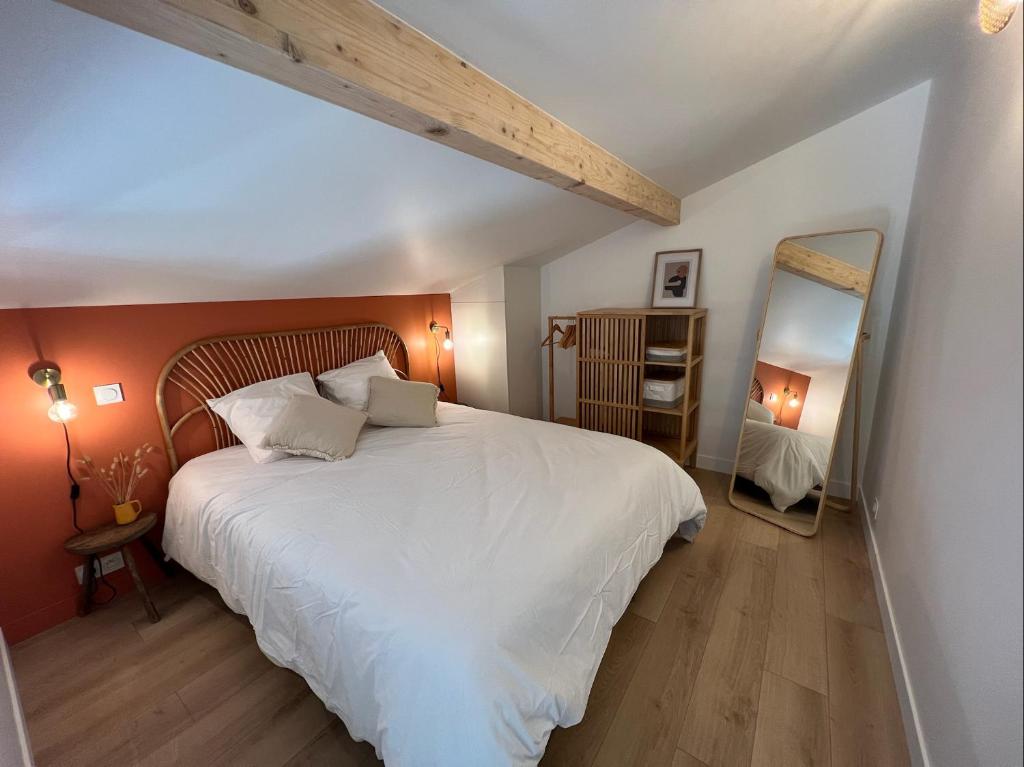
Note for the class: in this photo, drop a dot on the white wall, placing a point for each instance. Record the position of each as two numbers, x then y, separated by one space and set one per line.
497 332
858 173
478 329
823 399
522 339
945 459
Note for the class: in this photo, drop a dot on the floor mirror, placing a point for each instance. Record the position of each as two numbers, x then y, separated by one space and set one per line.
807 347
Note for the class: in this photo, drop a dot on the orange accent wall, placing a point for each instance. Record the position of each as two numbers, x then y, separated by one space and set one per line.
774 379
127 345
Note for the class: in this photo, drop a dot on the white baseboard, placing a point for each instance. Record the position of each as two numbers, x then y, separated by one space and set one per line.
897 657
714 463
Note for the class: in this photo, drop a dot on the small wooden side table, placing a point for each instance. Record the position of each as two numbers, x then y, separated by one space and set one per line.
92 543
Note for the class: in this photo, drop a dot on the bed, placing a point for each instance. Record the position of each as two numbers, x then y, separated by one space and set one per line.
784 462
448 592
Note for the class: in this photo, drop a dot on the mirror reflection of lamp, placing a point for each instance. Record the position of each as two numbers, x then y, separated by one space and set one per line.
792 396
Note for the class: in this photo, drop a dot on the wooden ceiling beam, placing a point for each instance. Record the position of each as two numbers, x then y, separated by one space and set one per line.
355 54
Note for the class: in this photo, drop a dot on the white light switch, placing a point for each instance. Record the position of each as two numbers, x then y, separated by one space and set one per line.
108 394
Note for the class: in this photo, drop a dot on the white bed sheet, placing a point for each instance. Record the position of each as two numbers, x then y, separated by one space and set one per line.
448 592
783 462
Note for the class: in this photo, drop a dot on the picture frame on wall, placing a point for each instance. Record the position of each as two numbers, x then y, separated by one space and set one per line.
676 276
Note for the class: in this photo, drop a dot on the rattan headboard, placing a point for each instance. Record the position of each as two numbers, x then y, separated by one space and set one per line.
215 366
756 390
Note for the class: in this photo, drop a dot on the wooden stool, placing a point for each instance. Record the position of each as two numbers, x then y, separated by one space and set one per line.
92 543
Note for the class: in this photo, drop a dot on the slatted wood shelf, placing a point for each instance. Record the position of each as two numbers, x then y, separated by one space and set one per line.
612 366
677 410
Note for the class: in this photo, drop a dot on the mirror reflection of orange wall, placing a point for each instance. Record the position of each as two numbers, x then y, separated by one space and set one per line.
775 380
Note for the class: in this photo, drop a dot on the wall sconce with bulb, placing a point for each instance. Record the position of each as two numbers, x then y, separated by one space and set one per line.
792 396
62 410
994 15
447 344
436 328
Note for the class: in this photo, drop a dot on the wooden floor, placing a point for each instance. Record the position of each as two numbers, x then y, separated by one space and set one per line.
750 646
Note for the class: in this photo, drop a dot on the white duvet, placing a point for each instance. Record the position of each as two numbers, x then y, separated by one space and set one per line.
783 462
448 592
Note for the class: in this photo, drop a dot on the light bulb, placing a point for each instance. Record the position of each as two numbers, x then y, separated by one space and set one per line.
447 344
794 402
62 411
994 15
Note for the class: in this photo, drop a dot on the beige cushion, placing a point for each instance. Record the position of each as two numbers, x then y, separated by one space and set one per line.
316 427
394 402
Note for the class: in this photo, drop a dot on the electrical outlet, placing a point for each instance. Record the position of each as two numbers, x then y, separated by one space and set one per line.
109 563
874 508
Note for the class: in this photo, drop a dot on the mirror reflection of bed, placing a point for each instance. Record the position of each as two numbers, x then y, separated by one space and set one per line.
806 352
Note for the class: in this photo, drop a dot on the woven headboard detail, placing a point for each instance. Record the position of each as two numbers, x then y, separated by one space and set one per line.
214 367
756 390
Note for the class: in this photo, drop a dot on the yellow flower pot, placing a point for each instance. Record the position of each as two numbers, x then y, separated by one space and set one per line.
127 512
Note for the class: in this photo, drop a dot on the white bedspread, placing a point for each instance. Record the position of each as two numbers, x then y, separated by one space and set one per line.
783 462
448 592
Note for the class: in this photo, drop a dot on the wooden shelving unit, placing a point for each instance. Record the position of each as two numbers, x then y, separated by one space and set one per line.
612 365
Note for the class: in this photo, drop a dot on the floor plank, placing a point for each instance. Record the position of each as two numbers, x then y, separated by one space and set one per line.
759 532
144 676
683 759
864 715
718 727
650 598
335 748
715 544
231 727
646 727
850 587
796 633
792 725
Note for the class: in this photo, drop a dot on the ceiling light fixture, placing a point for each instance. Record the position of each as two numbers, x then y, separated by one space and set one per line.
994 15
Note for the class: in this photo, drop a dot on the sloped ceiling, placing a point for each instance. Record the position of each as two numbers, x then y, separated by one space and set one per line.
134 172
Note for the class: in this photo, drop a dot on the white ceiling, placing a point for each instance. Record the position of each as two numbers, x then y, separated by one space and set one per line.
133 172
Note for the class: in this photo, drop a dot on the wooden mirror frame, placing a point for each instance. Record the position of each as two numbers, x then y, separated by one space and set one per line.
791 257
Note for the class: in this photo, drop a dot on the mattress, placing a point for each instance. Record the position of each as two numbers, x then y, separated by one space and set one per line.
448 592
783 462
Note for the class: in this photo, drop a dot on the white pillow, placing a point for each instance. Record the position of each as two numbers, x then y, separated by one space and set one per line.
249 411
758 412
350 385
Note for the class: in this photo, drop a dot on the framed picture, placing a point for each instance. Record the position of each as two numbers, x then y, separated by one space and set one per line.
675 278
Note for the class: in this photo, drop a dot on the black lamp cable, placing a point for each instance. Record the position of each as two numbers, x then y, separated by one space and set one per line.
76 491
437 364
